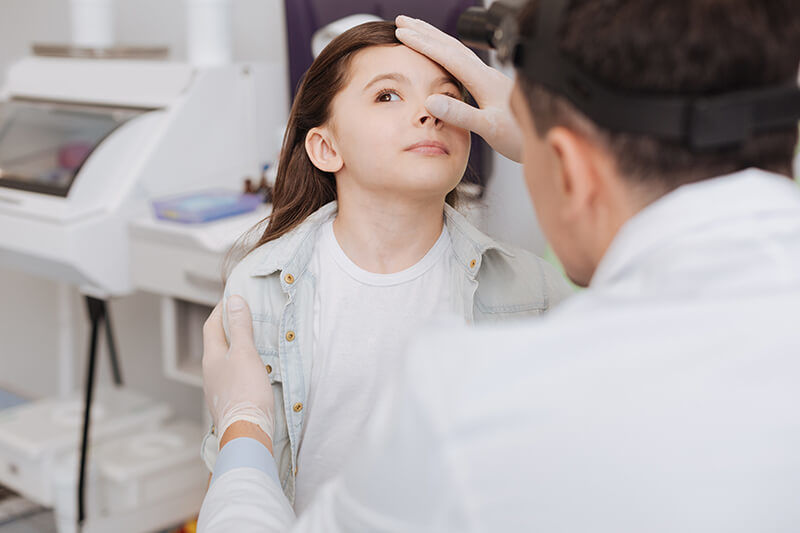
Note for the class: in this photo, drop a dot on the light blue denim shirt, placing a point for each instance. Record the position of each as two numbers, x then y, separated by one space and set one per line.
496 281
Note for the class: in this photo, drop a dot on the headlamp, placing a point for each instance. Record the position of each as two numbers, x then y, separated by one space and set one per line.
699 122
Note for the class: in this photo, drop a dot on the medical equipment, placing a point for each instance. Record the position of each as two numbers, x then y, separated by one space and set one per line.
87 144
88 139
699 122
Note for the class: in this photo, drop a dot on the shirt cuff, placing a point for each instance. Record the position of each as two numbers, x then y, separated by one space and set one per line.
244 452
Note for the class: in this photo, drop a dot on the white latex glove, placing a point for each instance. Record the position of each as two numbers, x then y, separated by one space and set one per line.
492 119
235 381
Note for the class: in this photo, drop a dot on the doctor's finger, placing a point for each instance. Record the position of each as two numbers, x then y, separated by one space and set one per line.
433 36
240 323
457 113
449 52
445 50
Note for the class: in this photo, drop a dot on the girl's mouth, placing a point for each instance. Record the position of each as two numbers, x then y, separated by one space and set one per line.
429 148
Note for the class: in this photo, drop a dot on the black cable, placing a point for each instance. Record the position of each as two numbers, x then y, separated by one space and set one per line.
96 312
112 348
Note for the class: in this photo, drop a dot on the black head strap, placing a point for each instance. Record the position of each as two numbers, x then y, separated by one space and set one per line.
698 122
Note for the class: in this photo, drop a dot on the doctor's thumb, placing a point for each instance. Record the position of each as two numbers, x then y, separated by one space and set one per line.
240 321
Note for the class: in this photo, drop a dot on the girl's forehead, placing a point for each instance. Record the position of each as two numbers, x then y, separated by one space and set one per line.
379 59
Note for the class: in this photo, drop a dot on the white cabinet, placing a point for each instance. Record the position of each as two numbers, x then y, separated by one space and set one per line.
184 264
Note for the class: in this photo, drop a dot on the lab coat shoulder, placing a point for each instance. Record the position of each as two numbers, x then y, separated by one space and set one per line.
515 281
468 355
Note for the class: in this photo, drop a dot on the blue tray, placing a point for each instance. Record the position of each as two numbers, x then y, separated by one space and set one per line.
205 206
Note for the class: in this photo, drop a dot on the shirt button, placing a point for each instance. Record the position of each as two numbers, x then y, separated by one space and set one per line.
473 263
288 278
269 369
297 407
290 336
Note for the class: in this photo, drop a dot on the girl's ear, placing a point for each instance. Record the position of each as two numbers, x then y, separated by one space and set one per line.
322 151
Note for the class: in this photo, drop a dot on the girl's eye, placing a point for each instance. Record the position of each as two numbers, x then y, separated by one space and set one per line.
388 95
453 95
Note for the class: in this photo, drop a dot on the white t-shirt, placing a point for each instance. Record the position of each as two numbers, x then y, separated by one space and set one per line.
362 324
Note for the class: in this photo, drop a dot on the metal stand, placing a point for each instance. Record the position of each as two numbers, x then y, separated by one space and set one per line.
98 311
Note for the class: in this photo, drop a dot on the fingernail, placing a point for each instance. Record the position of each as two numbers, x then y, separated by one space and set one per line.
405 32
235 303
437 104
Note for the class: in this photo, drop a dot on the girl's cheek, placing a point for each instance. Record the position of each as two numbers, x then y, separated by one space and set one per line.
464 141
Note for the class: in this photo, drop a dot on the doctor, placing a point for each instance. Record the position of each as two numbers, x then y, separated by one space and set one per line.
664 398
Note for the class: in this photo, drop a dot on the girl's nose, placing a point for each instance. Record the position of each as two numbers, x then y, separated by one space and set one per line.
427 118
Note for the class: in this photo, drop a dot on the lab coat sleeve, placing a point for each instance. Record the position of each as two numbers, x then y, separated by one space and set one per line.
245 500
245 494
397 478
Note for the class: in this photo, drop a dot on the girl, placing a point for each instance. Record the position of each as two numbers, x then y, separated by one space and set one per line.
363 247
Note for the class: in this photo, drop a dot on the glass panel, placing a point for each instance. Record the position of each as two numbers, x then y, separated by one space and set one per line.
43 146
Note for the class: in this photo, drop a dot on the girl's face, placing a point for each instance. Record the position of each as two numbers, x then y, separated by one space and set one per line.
387 140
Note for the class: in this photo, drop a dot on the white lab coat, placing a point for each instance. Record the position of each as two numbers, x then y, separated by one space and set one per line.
665 398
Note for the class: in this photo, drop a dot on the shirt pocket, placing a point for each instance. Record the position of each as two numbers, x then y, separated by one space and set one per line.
265 336
512 288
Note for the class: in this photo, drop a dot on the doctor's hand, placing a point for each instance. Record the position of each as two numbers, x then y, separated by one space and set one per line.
492 119
235 382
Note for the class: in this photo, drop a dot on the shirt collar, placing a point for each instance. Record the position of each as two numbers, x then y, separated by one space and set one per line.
469 243
290 252
691 208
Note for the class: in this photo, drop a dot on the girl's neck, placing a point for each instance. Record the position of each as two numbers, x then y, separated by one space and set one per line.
385 234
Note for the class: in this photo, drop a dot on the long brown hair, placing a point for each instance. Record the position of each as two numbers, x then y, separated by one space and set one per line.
300 187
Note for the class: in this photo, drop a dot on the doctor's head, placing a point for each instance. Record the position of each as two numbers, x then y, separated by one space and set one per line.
358 126
586 182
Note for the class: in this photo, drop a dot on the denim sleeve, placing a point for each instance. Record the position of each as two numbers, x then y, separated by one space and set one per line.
245 452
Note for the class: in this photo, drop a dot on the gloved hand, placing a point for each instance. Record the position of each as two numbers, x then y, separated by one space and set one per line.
235 381
492 119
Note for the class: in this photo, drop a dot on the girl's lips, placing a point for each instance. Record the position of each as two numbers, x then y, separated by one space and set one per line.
429 148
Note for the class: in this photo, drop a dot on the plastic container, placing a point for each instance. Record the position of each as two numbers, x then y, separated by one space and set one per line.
209 28
34 436
92 23
145 482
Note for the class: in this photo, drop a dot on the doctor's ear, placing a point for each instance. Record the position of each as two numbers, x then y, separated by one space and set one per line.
321 150
578 178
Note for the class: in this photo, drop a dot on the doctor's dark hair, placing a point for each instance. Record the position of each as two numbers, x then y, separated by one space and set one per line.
300 187
700 47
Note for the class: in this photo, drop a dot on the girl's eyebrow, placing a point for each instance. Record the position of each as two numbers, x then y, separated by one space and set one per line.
396 76
400 78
